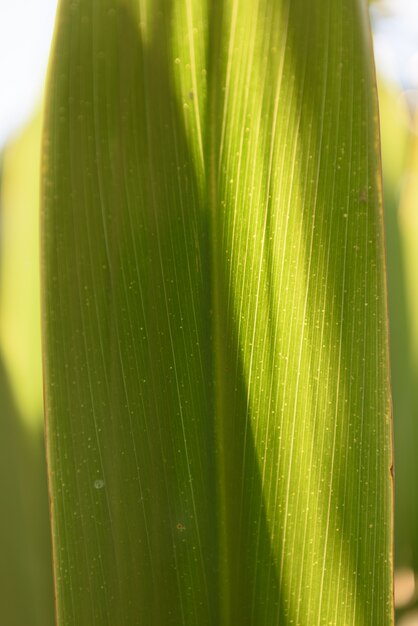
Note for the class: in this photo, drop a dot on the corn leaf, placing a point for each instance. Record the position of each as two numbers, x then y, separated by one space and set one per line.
215 336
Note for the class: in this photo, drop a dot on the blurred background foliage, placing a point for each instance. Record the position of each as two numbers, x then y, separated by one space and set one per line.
26 596
396 49
26 589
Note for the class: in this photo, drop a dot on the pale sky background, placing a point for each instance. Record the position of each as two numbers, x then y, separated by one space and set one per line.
395 25
25 37
26 30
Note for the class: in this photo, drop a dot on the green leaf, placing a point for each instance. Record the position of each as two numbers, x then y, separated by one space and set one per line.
405 366
26 586
398 170
19 272
400 245
215 327
26 591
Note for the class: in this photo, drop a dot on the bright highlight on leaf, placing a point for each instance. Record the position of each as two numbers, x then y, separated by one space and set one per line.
215 336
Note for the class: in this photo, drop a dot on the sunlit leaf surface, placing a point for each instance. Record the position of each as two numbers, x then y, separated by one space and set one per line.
214 312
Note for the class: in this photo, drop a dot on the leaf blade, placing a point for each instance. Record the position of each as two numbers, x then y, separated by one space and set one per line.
178 223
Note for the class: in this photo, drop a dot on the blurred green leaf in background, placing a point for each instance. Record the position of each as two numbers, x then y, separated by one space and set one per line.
26 587
20 332
396 39
26 590
402 249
